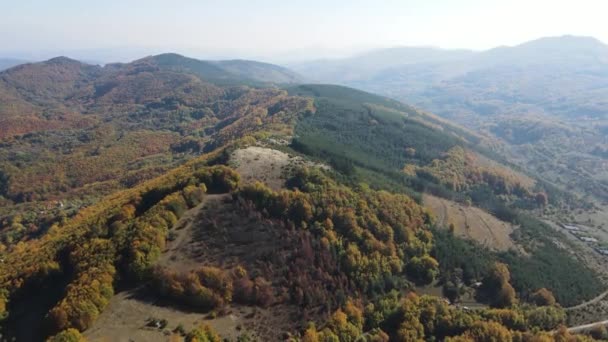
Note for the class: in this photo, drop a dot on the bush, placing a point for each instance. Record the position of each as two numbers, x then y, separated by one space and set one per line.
179 329
543 297
203 333
68 335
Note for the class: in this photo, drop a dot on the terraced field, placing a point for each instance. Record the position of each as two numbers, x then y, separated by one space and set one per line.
472 222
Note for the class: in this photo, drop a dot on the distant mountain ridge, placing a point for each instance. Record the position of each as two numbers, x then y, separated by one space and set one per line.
375 61
49 94
222 71
225 71
6 63
452 82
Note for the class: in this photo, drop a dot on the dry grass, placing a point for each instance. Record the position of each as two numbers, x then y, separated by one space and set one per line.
266 165
262 164
472 223
126 316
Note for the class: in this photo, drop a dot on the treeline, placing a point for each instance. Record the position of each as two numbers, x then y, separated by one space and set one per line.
546 264
91 289
211 288
413 318
393 147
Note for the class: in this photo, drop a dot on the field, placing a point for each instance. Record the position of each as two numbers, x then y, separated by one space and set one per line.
266 165
471 222
125 319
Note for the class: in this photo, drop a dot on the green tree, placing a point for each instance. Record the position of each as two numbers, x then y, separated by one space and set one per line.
423 269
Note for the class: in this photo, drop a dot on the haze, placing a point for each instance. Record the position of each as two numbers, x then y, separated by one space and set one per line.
280 30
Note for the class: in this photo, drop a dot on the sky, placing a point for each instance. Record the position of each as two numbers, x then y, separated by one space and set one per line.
282 29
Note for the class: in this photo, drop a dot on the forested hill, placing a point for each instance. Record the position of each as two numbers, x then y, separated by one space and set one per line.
50 94
166 180
67 80
227 71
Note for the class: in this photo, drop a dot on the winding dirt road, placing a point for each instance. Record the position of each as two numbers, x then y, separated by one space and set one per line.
589 302
585 327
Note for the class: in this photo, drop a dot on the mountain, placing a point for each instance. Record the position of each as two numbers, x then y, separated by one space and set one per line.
67 86
229 71
141 199
549 82
60 78
362 65
487 81
570 49
561 50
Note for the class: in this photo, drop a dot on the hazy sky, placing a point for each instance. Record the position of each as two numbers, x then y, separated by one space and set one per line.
285 28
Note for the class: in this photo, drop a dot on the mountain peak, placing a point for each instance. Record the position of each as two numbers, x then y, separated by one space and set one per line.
167 57
62 60
560 50
225 71
566 42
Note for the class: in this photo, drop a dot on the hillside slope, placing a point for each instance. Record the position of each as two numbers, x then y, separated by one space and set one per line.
73 132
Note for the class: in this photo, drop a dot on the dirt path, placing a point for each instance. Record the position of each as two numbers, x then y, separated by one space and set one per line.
589 302
584 327
174 253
